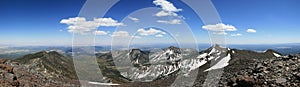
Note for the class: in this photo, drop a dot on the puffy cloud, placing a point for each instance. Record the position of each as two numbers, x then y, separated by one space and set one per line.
174 21
134 19
60 30
219 27
136 37
165 13
151 31
220 32
159 35
81 25
168 9
166 5
123 34
107 22
73 20
120 34
101 33
238 34
251 30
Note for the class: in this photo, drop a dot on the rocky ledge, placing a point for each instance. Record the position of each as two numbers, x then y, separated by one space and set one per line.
272 72
13 74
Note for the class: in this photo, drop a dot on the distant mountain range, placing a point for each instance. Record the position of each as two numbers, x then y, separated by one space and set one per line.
16 52
159 67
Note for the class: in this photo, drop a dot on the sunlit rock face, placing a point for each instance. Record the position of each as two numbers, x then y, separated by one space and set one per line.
138 58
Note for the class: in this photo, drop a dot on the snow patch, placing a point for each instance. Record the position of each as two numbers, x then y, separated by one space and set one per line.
194 64
221 64
97 83
233 51
202 55
212 51
277 55
143 75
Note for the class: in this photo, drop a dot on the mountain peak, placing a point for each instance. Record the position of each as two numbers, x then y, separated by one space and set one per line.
138 57
51 63
173 48
218 46
272 51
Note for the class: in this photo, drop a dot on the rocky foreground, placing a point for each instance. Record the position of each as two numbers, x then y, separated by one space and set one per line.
34 72
270 72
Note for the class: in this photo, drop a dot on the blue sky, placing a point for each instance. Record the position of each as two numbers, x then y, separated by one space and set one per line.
36 22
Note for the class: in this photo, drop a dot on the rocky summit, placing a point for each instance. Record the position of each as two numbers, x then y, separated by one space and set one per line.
272 71
36 70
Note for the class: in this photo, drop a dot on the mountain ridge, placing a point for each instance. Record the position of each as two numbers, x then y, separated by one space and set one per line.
150 62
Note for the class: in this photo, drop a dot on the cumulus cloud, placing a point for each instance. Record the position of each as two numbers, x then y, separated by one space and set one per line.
107 22
234 35
101 33
174 21
136 37
220 32
251 30
159 35
123 34
151 31
81 25
120 34
166 5
134 19
168 9
219 27
165 13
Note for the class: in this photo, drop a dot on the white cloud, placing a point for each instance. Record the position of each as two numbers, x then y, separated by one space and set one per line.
174 21
234 35
165 13
60 30
107 22
101 33
136 37
219 27
159 35
251 30
134 19
124 34
120 34
168 9
151 31
81 25
220 32
166 6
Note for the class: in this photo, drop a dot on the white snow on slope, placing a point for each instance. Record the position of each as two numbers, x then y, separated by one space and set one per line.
213 51
192 64
277 55
202 55
221 64
97 83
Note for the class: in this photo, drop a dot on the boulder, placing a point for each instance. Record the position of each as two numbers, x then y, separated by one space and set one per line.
245 81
